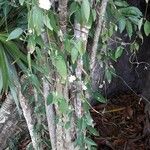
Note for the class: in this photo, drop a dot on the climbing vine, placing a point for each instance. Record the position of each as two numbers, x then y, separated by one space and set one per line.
55 46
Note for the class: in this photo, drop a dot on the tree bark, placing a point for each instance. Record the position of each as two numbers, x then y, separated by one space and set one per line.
101 14
11 123
30 120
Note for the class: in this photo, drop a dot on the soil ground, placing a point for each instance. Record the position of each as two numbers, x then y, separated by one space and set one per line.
122 124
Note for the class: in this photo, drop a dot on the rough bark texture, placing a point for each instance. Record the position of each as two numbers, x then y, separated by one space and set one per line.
97 33
30 120
63 15
10 122
50 115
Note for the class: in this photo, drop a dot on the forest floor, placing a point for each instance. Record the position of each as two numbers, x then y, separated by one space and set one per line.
122 124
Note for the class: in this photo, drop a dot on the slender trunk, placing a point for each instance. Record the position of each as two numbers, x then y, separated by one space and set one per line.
97 34
64 140
50 115
30 120
81 33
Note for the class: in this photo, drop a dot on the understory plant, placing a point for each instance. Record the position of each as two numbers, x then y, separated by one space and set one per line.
48 60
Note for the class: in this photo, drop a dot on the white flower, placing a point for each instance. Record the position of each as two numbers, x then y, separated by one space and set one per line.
45 4
83 86
30 31
101 86
71 78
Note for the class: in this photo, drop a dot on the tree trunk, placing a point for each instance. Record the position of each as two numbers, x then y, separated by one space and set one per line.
11 123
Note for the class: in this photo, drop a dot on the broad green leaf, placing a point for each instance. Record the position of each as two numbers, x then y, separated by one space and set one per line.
99 97
111 29
73 8
90 141
63 106
89 119
147 28
129 28
47 22
118 52
68 45
122 24
31 44
15 34
21 2
121 3
53 21
50 99
13 91
134 20
74 54
108 75
79 46
130 11
134 47
85 8
38 20
34 80
61 66
14 83
140 23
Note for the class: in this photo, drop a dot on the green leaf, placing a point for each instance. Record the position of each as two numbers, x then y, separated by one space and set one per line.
4 68
54 22
134 20
108 75
121 3
61 66
99 97
129 28
89 119
140 23
111 29
122 24
94 14
85 8
47 22
15 34
130 11
1 81
34 80
80 47
50 99
119 52
147 28
21 2
73 8
93 131
74 54
63 106
90 141
37 19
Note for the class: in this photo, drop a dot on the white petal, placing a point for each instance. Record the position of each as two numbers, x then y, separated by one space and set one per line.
45 4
